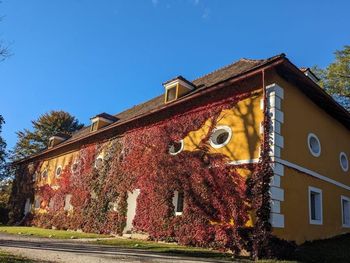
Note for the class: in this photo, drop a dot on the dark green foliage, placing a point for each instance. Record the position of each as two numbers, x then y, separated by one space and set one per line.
31 142
335 79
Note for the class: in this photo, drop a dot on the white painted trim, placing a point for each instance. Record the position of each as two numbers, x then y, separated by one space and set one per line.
346 167
274 89
222 127
100 156
277 193
275 206
277 220
248 161
56 171
57 138
278 169
312 173
275 180
100 119
312 135
182 147
276 114
315 221
342 197
178 81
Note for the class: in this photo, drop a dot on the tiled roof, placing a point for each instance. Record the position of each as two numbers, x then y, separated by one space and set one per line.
236 68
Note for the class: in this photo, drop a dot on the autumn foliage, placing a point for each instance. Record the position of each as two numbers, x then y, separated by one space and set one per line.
219 201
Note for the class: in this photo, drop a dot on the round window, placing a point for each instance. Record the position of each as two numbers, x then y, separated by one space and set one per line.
176 147
44 174
58 171
74 167
344 162
99 163
34 177
314 145
220 137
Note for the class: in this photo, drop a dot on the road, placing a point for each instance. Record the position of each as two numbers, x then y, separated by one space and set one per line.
58 250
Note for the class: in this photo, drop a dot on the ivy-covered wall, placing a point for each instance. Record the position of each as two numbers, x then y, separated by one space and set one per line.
220 199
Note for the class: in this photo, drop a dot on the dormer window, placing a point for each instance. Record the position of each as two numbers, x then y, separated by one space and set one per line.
94 126
171 93
57 139
176 88
101 120
307 72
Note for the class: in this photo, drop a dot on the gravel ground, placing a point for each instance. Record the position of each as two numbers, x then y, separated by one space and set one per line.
55 250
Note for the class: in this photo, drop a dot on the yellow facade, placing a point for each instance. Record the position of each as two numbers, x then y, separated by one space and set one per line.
295 208
301 117
244 120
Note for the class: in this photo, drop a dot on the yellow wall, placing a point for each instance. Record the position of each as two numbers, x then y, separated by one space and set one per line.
51 165
295 207
302 116
244 120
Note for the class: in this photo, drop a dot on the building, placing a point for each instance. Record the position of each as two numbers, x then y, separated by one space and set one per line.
186 165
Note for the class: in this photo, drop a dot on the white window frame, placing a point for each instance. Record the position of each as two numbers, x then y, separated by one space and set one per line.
342 210
317 221
222 127
175 203
344 168
76 162
101 156
56 175
312 135
167 91
182 147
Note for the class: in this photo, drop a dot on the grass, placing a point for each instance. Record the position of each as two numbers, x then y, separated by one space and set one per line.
335 249
41 232
168 248
10 258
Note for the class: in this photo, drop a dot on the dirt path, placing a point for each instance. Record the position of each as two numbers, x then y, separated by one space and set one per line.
55 250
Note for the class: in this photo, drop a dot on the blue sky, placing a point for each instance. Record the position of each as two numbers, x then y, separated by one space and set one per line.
88 57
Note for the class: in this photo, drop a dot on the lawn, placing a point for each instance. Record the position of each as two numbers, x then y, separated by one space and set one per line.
41 232
336 249
10 258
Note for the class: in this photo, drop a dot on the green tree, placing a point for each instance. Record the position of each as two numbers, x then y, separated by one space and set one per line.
35 140
335 79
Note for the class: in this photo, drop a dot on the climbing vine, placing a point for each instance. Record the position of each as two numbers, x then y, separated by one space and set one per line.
219 200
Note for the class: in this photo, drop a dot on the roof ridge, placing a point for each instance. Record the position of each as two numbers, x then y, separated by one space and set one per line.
241 59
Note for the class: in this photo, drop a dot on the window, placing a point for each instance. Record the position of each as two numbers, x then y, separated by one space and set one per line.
315 206
67 204
51 143
113 206
171 94
51 204
44 175
58 171
345 209
314 145
75 167
176 147
34 177
37 202
221 136
178 202
94 126
344 162
99 163
27 206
